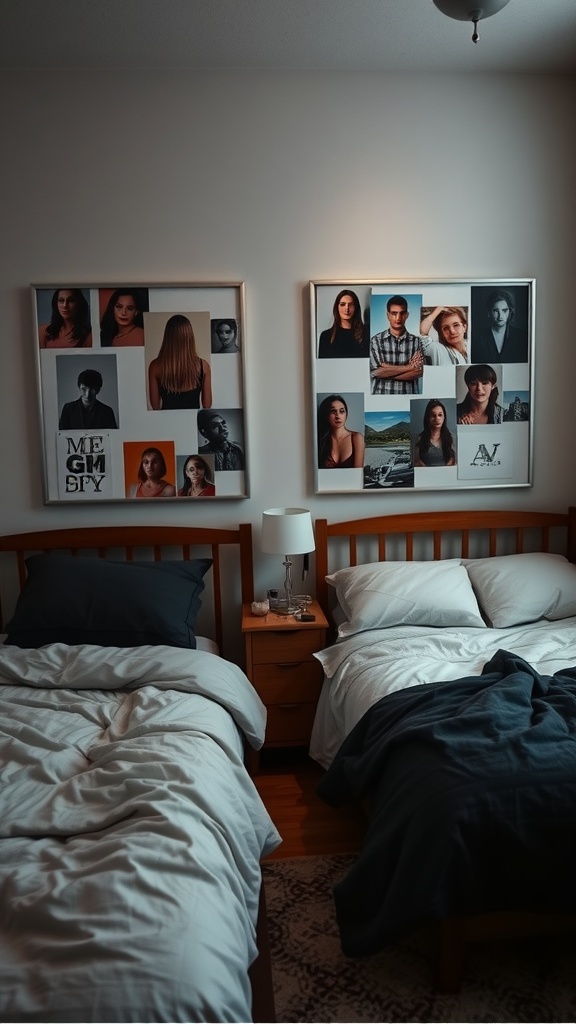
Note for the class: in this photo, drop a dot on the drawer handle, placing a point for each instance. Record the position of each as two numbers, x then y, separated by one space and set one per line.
289 664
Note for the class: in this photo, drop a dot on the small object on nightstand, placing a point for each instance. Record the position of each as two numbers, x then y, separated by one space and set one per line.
260 607
305 617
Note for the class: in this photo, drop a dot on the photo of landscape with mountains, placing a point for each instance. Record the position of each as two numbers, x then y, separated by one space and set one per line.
388 458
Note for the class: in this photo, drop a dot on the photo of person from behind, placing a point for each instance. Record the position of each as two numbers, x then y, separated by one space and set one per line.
338 447
451 326
224 336
228 455
152 473
87 413
122 323
434 446
346 338
198 478
178 378
69 325
480 404
497 339
396 356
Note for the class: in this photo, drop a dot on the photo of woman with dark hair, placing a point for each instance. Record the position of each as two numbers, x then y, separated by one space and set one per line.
435 445
122 322
198 482
69 325
224 336
338 447
347 337
178 378
480 404
495 338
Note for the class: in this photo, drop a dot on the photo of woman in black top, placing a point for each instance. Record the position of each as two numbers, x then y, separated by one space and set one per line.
178 378
347 337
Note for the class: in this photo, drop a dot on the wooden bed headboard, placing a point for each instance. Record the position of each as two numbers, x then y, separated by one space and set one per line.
152 542
435 535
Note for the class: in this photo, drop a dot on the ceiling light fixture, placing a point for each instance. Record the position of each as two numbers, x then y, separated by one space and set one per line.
470 10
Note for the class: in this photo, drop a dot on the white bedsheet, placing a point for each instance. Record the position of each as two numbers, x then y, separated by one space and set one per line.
361 670
131 835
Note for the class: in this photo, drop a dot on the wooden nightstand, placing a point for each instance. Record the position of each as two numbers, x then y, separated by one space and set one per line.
281 667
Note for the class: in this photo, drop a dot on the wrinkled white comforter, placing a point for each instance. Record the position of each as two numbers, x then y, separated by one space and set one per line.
361 670
130 834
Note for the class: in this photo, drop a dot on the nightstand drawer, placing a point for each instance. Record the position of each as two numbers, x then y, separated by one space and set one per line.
289 724
278 684
286 645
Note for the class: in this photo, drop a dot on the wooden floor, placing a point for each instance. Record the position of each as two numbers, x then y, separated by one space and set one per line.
287 781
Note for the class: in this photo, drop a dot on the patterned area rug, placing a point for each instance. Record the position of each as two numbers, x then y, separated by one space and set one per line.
516 980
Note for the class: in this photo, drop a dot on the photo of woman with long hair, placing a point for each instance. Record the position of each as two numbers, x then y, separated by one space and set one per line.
338 447
347 337
122 322
69 325
179 378
434 445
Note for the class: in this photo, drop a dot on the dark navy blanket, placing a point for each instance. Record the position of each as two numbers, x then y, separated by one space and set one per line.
473 791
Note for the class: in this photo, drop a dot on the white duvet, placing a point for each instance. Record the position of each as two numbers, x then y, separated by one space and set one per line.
131 835
362 669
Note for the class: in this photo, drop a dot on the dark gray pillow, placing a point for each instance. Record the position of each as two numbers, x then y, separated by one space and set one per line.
84 600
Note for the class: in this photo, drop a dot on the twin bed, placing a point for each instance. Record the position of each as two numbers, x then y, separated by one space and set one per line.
131 833
449 708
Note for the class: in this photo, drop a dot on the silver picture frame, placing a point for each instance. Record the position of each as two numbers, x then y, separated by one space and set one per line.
124 368
385 375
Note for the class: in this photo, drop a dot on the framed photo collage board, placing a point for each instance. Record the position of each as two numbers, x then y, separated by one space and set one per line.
141 391
422 384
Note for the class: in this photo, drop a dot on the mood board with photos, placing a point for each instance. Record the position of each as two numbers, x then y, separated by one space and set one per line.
141 391
422 384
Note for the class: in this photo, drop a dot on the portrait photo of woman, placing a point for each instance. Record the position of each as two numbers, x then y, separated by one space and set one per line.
69 325
480 403
450 324
122 322
224 336
347 337
152 472
338 446
198 478
434 446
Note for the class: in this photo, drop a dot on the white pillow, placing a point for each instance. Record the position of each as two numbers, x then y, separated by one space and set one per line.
512 589
382 594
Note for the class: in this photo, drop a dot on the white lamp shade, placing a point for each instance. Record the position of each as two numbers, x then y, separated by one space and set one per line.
287 531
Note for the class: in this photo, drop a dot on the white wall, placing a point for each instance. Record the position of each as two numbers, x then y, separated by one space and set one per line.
277 179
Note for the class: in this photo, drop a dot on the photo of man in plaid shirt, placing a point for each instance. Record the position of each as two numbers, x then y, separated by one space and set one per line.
396 357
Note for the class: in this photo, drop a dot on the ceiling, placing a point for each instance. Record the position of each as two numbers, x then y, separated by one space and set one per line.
289 35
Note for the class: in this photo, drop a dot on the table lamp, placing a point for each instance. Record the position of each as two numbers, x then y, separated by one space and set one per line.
287 530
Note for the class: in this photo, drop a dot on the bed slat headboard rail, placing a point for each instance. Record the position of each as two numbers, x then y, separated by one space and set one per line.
155 540
428 533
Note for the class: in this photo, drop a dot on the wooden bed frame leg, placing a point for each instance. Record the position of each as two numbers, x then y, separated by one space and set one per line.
449 963
263 1005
